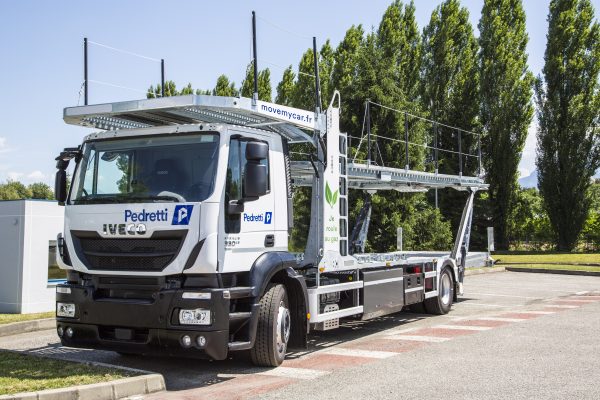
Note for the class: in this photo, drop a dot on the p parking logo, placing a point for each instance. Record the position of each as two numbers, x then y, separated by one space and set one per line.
182 214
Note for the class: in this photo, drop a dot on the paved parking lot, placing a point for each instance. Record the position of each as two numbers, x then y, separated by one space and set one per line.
513 335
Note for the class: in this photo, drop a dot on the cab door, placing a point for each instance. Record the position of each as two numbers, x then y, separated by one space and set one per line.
249 232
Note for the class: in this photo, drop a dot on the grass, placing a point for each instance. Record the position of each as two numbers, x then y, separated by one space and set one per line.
540 258
8 318
25 373
557 267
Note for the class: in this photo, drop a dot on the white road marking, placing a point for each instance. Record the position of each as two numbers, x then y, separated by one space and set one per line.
360 353
578 300
560 306
464 327
487 305
501 319
502 295
582 293
537 312
296 373
412 338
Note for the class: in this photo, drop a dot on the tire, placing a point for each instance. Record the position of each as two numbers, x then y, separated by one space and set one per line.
274 327
442 303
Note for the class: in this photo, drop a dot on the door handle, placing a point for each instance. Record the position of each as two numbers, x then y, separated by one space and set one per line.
269 240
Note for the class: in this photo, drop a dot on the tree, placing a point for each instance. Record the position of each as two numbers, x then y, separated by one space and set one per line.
13 190
264 83
224 87
285 88
506 106
171 90
450 88
41 191
568 104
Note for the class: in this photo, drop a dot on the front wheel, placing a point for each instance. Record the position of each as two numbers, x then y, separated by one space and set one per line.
442 303
274 327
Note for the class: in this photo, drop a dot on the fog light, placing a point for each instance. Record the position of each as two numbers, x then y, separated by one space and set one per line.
201 341
60 331
65 310
69 332
199 316
186 341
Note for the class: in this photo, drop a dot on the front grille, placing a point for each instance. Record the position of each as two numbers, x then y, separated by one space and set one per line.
139 255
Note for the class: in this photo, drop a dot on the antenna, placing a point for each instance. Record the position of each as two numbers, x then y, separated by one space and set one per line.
255 94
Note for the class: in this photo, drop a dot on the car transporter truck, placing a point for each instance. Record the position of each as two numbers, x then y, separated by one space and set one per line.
177 223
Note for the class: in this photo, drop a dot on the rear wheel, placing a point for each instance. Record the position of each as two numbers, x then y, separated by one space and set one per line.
443 302
274 327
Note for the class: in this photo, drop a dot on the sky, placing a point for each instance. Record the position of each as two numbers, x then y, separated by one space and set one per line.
42 57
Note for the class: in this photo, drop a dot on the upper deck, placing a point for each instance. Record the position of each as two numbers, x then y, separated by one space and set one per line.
291 123
296 125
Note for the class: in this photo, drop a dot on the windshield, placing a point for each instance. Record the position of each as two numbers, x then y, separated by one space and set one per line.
149 169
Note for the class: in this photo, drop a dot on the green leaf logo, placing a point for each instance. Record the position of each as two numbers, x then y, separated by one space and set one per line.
331 198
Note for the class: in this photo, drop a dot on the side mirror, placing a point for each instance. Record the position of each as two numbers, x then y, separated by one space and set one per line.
257 151
255 180
60 186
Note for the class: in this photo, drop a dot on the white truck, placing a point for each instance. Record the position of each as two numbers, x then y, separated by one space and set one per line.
177 222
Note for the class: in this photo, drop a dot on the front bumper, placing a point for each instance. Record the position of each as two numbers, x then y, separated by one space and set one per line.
111 320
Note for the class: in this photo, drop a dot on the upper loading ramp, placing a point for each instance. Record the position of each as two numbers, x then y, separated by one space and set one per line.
373 177
193 109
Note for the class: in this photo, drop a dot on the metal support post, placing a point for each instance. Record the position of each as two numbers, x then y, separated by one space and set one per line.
162 78
318 105
459 153
368 118
479 154
406 139
85 72
254 63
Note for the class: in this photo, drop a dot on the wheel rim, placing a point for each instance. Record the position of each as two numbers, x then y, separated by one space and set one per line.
446 288
284 323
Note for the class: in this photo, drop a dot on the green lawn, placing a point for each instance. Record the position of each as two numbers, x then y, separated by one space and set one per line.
8 318
26 373
56 273
557 266
536 258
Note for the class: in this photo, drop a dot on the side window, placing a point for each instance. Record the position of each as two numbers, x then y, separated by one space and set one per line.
234 186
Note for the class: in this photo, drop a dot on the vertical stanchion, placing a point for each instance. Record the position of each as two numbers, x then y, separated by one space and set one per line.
254 63
318 104
368 118
85 72
162 77
435 155
406 138
479 153
459 153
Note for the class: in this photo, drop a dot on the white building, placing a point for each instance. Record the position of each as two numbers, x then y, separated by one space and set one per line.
28 229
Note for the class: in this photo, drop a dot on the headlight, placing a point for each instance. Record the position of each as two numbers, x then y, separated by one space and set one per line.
198 316
65 310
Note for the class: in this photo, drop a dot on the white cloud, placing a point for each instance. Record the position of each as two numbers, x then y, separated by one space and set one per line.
14 176
3 146
36 176
527 164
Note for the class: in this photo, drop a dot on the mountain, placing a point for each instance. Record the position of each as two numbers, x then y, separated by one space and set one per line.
532 180
529 181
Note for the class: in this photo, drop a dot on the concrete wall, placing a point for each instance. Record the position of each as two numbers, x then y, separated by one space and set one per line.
26 227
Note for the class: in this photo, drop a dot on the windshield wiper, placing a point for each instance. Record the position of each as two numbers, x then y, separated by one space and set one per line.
152 198
96 200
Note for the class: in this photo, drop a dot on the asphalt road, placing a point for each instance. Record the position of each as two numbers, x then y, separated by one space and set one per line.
512 336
